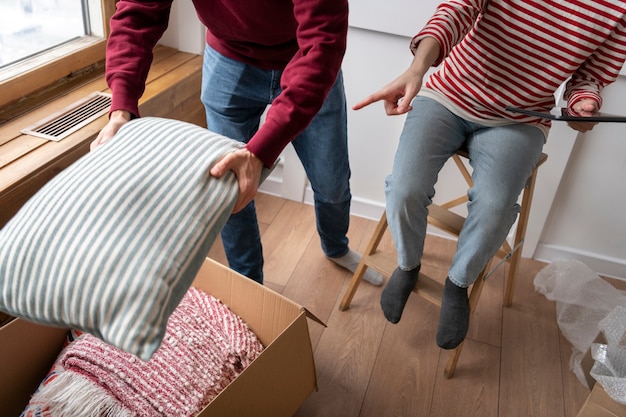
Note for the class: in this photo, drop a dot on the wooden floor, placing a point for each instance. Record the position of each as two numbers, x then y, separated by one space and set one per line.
514 362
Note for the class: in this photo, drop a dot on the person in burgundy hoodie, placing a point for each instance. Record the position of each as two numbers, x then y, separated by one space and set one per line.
283 53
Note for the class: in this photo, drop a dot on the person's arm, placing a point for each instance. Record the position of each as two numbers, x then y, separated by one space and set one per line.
602 68
398 94
447 27
136 26
582 93
321 33
452 20
584 107
117 119
306 80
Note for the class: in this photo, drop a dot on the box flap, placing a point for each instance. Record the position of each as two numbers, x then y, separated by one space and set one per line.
314 317
276 383
600 404
27 352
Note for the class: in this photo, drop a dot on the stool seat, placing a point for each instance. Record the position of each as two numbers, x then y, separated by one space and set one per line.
440 216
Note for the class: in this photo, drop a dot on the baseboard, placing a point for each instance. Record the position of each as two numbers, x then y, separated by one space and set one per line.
603 265
360 207
272 186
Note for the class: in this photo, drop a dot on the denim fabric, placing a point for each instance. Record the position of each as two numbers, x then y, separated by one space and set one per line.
235 95
501 157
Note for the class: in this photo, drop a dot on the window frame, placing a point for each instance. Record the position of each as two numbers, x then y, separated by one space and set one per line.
59 63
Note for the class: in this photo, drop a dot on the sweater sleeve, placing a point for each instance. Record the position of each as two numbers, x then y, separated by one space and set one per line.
599 70
449 24
136 27
307 78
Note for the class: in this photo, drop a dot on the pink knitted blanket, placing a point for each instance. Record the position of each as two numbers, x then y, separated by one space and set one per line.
205 347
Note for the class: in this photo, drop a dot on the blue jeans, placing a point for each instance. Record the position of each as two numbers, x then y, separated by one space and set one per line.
502 158
235 95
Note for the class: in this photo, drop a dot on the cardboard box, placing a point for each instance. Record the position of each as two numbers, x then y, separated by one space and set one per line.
275 384
598 403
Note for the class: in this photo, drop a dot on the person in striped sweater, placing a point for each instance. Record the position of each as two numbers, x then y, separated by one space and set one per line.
489 55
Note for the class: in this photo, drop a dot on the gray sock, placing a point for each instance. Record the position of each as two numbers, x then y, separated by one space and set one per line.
396 293
350 261
454 316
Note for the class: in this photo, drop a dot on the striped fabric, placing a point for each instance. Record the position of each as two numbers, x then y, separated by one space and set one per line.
518 52
111 244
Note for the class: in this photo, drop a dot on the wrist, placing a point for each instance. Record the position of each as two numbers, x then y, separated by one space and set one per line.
120 114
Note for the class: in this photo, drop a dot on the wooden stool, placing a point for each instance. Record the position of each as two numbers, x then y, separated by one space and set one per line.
443 218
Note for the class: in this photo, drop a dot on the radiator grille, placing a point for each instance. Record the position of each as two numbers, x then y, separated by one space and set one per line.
68 120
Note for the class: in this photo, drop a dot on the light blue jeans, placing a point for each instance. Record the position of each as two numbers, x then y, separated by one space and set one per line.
502 158
235 95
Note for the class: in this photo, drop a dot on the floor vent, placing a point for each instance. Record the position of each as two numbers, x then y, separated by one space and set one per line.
68 120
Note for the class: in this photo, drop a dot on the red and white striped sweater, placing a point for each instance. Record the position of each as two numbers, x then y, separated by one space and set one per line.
518 52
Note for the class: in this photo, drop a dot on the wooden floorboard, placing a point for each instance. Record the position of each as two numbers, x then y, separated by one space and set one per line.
514 363
473 389
288 235
574 393
406 365
531 362
316 283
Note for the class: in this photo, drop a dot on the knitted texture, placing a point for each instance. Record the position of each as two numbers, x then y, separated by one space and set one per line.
205 347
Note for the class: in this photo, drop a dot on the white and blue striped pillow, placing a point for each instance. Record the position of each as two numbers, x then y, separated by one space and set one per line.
111 244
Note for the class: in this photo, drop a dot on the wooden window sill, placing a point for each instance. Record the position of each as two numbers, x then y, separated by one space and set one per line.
28 162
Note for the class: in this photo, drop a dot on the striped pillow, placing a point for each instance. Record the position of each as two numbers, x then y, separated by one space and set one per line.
111 244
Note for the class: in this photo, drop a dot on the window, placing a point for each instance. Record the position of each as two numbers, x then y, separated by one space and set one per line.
28 27
44 41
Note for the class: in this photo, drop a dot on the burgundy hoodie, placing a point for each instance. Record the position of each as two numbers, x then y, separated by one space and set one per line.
305 38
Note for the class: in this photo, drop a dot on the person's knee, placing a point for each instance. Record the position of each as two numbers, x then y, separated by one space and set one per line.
493 207
333 192
408 194
334 197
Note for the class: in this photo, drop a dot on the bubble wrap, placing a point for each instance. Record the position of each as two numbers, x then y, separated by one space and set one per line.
583 300
609 369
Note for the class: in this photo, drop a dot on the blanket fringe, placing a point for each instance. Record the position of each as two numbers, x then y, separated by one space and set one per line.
71 395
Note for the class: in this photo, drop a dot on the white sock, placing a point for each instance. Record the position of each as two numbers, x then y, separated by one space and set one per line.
350 261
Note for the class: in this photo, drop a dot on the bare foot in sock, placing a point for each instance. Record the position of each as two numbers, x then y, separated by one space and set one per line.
396 293
454 317
350 261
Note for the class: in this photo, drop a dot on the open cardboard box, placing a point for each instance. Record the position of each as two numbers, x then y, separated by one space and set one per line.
598 403
275 384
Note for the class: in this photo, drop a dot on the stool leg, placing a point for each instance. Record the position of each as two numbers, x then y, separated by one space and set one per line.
448 372
474 296
353 285
372 246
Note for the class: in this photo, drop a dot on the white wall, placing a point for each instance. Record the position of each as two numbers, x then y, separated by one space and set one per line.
185 32
587 220
395 17
578 207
